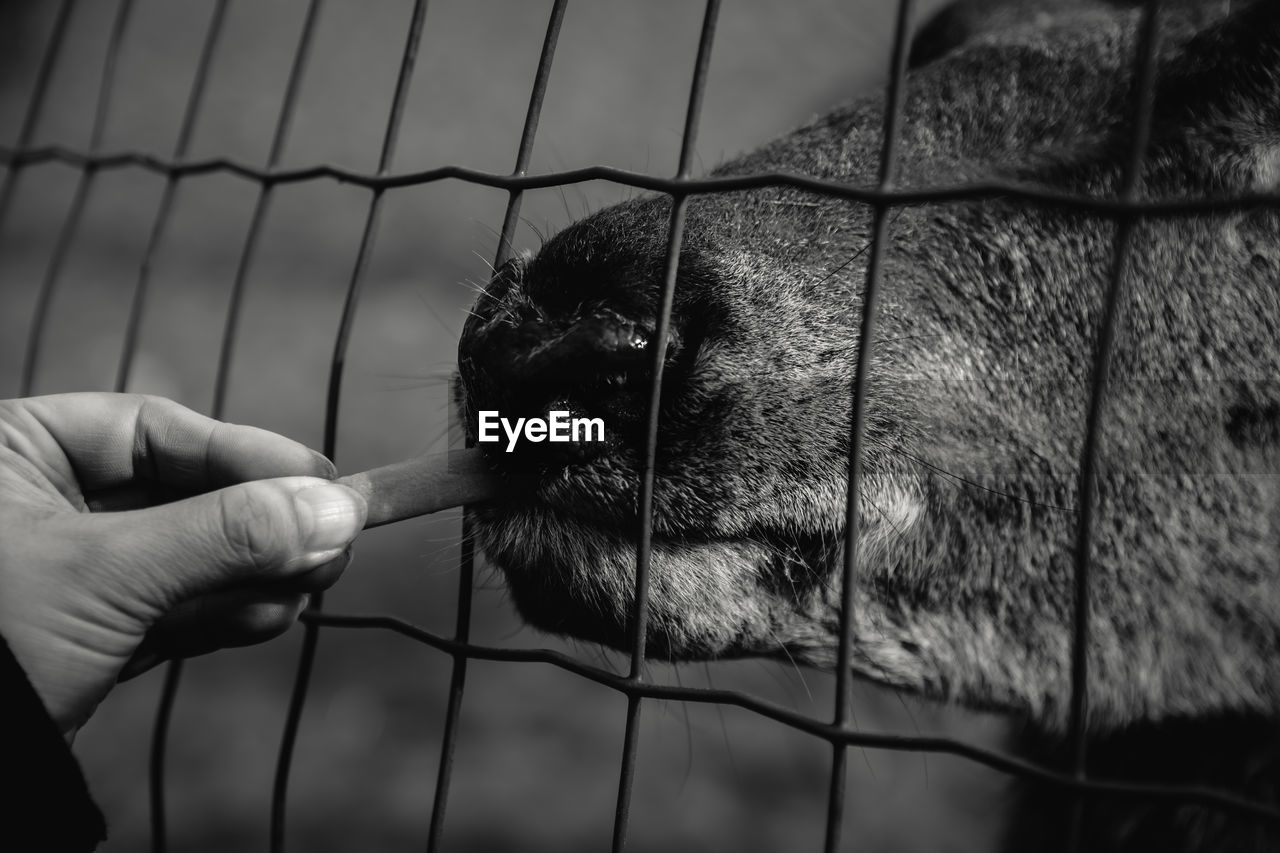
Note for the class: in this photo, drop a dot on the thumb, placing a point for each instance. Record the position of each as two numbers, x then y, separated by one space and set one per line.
257 532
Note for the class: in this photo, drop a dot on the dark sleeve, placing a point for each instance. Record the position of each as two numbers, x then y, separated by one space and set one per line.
44 801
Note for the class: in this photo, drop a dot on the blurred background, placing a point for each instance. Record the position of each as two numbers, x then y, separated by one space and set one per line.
538 754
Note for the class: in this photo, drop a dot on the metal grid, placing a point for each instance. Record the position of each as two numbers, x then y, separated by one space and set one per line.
1126 210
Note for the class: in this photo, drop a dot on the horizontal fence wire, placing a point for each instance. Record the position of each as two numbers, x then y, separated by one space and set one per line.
996 759
1126 209
984 190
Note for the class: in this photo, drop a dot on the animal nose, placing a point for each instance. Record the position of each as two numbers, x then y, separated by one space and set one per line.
593 364
601 345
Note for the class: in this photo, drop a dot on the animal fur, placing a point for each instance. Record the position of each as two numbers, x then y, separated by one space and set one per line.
979 387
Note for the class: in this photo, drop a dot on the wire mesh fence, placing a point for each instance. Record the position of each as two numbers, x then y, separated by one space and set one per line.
838 729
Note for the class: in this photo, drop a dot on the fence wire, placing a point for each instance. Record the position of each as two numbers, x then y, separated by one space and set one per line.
467 558
1125 210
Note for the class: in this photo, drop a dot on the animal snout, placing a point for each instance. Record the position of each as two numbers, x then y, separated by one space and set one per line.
581 367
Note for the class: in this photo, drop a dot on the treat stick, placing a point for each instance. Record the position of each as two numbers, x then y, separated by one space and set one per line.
423 484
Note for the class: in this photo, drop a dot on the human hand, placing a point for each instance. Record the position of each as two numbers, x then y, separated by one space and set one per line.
91 597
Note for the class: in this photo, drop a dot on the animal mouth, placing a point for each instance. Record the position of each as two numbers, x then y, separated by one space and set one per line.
573 573
533 354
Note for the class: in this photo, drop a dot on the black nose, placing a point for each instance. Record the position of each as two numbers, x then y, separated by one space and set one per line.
574 330
580 350
579 361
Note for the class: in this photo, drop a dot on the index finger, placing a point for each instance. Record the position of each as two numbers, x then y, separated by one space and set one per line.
112 439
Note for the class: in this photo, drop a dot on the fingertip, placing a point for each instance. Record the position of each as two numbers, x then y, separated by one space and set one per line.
229 619
260 532
330 515
324 575
264 620
324 466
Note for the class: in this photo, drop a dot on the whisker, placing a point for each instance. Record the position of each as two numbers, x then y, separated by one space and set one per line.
865 248
971 483
724 726
795 666
688 731
912 717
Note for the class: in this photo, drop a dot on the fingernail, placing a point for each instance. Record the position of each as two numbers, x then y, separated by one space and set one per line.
331 516
324 465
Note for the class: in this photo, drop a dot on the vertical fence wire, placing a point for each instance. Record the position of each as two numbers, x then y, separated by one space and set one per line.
644 544
1144 98
525 152
466 568
35 107
1127 219
173 672
894 99
163 212
311 631
248 251
71 225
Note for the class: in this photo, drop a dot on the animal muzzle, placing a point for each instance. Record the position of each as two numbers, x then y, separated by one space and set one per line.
586 371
